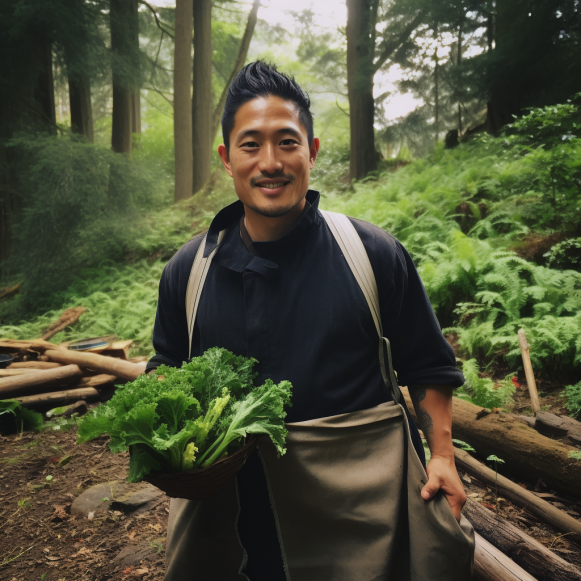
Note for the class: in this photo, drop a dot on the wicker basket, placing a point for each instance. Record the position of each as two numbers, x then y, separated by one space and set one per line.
205 483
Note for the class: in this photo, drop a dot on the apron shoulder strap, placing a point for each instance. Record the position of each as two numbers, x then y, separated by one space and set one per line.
198 274
356 256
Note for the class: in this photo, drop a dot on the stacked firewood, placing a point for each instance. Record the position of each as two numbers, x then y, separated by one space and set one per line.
46 375
504 552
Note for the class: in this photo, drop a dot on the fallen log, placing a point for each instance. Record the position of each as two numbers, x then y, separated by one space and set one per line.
9 291
56 398
34 365
525 551
490 564
69 317
38 382
523 449
110 365
540 508
558 427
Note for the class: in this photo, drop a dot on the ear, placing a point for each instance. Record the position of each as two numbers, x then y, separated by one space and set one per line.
225 157
314 152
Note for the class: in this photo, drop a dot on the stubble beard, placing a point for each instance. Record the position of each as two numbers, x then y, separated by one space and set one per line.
274 212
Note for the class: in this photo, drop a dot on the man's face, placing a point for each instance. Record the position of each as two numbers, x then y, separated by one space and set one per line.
269 158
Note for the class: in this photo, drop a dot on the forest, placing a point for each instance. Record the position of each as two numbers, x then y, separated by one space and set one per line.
454 125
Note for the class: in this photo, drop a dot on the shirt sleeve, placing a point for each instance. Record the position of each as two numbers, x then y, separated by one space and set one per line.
420 353
170 331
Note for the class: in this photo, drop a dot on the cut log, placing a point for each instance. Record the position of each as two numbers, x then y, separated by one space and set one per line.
525 551
34 365
96 380
69 317
523 449
56 398
540 508
490 564
558 427
15 345
15 372
118 349
110 365
38 382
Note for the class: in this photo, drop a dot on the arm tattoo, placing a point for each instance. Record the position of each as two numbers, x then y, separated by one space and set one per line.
424 418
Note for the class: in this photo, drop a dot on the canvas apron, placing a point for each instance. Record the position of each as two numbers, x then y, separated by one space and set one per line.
346 495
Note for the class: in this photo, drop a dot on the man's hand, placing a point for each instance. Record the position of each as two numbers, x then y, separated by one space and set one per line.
433 406
442 474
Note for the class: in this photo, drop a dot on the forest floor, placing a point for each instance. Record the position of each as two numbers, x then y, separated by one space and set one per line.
42 541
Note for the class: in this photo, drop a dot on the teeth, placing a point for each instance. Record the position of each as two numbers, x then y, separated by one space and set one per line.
272 186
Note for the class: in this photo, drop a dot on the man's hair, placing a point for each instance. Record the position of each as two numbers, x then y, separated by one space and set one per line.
260 79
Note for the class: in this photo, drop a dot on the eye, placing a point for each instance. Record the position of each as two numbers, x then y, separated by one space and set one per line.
289 141
249 144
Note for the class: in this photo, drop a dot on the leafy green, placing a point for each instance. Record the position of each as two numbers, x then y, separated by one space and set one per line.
179 419
24 418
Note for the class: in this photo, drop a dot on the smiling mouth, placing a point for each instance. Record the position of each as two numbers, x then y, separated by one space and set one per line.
272 186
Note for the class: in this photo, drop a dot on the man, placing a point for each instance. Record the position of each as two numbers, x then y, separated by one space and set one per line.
279 290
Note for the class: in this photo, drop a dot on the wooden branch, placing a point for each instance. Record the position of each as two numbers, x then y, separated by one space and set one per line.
34 365
490 564
526 359
524 449
388 48
109 365
525 551
15 372
38 382
10 290
96 380
15 345
540 508
56 398
69 317
240 59
152 10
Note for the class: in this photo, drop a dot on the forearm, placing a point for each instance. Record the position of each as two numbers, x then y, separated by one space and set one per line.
433 406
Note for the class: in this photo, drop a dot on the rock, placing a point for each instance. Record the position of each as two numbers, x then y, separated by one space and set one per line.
121 496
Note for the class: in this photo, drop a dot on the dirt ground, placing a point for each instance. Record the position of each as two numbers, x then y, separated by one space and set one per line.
41 540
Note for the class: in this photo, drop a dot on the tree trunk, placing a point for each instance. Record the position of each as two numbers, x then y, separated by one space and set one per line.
182 100
202 102
136 112
490 564
44 90
436 88
240 60
360 73
525 551
80 105
542 509
524 450
123 18
458 63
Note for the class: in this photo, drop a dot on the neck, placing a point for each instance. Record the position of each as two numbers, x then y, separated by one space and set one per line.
264 229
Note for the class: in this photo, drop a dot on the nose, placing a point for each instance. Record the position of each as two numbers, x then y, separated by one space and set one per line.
269 162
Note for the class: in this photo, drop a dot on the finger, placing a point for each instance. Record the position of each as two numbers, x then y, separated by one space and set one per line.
431 487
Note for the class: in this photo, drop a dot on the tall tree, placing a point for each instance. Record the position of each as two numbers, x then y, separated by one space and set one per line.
239 63
125 66
202 101
365 57
182 99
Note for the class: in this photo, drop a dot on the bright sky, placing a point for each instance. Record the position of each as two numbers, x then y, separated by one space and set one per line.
330 14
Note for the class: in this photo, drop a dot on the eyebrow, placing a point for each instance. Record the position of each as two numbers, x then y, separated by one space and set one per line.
284 130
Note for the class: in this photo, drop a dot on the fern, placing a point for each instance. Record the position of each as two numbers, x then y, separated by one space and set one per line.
482 391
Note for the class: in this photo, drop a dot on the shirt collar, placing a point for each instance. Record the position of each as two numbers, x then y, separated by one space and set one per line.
229 217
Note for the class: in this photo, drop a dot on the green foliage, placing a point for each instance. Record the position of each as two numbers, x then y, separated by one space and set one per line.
179 419
24 418
572 395
495 459
80 207
463 445
482 391
575 455
566 254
